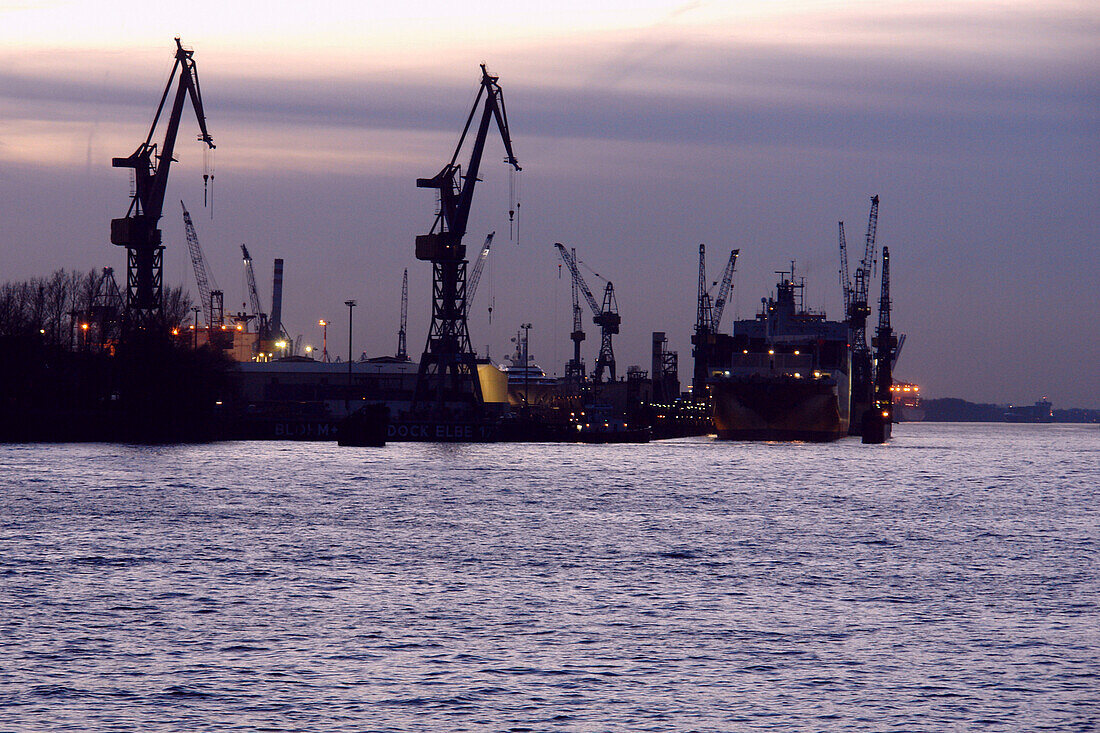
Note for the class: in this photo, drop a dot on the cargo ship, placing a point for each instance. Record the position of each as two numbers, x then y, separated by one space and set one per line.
907 402
788 376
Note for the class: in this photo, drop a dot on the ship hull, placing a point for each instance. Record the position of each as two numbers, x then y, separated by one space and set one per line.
780 409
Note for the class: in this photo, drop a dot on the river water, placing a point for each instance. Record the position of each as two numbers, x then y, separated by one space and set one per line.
945 581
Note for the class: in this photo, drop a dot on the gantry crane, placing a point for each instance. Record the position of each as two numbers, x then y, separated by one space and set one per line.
857 308
877 421
574 368
402 352
708 317
479 265
137 231
448 370
704 310
606 316
212 299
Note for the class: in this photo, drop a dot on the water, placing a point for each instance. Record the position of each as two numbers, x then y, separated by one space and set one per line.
945 581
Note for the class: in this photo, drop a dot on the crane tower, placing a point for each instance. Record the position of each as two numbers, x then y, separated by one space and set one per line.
137 231
448 371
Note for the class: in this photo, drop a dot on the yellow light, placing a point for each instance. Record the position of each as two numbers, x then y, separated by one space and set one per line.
240 327
309 349
84 326
223 328
797 375
796 352
321 323
885 413
745 351
280 344
771 351
175 331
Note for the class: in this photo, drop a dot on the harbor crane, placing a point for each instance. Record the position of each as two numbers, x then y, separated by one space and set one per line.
448 370
704 310
574 368
402 352
708 317
211 299
606 316
254 296
138 231
877 421
857 308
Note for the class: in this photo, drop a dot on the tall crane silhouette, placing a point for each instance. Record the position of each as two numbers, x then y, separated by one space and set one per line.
402 352
857 308
138 231
605 315
448 371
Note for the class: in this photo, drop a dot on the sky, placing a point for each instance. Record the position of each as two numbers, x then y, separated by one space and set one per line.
643 128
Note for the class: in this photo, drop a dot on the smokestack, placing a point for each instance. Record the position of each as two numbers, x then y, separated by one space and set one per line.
276 325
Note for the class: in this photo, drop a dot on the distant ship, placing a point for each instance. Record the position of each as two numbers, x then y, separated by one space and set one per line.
907 403
788 377
1041 411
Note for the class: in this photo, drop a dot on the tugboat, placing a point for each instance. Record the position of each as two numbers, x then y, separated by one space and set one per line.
600 424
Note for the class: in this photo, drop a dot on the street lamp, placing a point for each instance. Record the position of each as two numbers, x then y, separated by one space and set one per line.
526 364
324 340
351 305
84 328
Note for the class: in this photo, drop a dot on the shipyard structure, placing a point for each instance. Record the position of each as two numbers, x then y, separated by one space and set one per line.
792 374
787 374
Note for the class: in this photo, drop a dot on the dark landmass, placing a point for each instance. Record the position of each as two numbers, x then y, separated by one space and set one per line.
953 409
147 393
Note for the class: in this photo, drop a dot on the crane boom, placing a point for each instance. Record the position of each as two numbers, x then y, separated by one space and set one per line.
402 352
198 262
724 290
845 276
253 295
867 264
475 276
571 263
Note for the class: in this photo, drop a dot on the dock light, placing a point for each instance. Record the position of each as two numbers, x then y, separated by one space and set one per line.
817 374
280 344
309 349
